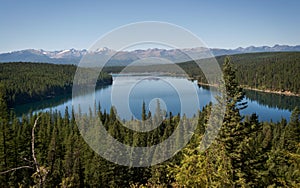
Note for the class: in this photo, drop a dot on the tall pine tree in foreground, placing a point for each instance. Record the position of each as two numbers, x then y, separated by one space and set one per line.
236 135
232 159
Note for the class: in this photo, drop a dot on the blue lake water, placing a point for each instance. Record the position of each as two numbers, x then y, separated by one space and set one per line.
175 94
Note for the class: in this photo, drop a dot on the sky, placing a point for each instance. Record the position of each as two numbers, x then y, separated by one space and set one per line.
65 24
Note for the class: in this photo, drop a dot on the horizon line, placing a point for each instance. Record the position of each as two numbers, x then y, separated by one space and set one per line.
224 48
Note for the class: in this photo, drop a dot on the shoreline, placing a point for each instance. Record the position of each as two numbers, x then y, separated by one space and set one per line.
286 93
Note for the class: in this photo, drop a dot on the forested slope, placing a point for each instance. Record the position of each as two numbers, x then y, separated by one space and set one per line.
25 82
246 153
276 71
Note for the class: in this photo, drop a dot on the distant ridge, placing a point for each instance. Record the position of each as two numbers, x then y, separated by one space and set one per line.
73 56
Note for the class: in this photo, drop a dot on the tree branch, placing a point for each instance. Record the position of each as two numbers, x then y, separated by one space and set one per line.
13 169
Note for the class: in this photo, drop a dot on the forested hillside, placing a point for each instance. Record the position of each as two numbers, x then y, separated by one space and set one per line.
25 82
246 153
276 71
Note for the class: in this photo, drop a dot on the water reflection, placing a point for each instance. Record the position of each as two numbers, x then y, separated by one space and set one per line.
268 106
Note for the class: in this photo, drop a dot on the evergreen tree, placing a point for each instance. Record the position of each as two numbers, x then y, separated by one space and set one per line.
234 133
5 137
144 115
292 132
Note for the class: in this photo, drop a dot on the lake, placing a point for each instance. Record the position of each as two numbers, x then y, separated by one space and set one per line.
175 94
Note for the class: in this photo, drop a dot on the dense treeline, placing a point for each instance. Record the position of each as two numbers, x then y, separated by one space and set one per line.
246 153
26 82
276 71
65 159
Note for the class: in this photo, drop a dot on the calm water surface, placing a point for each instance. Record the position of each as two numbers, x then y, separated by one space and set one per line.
171 92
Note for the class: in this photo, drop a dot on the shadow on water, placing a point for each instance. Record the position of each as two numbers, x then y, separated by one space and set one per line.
47 104
35 106
273 100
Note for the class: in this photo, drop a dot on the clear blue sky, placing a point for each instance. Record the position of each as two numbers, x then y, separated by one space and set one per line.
65 24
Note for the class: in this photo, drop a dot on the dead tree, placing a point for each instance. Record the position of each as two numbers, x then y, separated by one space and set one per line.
40 172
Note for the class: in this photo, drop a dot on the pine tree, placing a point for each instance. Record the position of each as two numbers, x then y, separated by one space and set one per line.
234 133
5 137
292 132
144 115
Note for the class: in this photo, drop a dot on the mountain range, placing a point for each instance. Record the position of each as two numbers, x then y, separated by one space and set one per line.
121 58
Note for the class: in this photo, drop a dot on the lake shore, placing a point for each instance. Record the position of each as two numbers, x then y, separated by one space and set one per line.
286 93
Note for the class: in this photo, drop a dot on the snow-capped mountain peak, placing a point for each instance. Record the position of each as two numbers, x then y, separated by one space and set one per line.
73 56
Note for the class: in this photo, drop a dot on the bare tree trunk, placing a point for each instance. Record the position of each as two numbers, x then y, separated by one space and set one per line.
37 166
